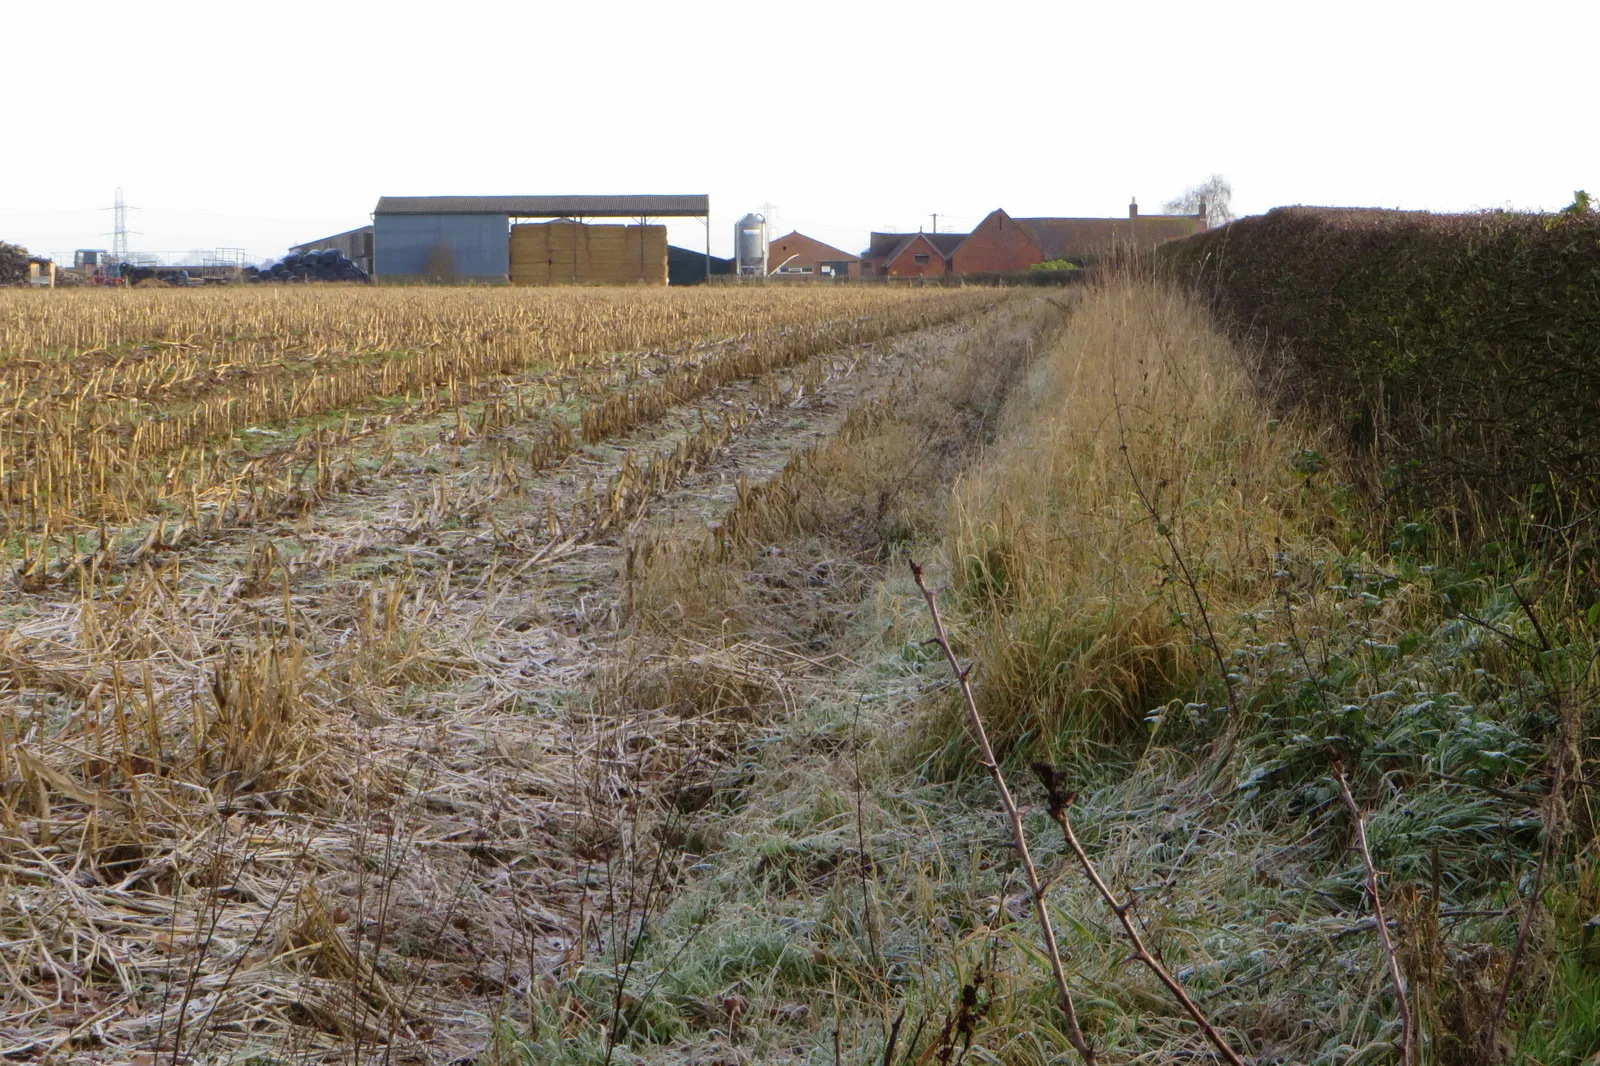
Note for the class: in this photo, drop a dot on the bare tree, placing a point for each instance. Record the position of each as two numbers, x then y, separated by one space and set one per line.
1216 193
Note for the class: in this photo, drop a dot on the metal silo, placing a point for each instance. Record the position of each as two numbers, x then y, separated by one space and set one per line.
750 246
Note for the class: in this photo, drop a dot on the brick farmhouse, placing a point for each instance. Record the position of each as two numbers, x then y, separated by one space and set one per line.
910 255
1000 245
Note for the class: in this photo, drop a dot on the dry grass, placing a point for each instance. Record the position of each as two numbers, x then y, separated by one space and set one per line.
347 760
1080 619
845 504
320 753
849 896
113 403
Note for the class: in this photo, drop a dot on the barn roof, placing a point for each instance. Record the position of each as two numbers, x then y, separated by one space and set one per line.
818 246
1075 238
888 246
322 242
549 206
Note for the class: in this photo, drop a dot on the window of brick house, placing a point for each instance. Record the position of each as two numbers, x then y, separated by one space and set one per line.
920 258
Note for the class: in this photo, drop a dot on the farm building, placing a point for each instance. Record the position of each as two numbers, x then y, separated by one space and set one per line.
798 256
355 245
906 255
689 266
473 238
1003 244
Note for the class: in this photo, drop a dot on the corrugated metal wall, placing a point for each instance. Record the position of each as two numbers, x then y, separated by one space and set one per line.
442 247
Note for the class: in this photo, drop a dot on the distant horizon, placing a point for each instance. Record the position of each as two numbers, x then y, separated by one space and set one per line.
1043 109
683 237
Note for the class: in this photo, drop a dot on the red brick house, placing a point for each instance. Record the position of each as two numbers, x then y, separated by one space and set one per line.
909 255
798 256
1002 243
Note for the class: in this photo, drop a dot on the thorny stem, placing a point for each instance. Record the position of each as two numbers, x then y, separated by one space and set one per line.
1019 837
1377 913
863 861
1059 801
1190 581
1566 745
1552 836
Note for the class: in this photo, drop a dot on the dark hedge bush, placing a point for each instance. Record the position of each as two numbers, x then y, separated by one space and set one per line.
1463 349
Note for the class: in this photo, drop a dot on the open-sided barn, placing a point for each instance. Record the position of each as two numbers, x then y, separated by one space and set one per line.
473 239
355 245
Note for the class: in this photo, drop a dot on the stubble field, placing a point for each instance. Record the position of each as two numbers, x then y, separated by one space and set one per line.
315 731
508 677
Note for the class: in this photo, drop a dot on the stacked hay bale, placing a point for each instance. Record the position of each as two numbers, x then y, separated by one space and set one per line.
572 253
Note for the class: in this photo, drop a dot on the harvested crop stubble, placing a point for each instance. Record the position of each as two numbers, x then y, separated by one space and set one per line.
109 434
859 493
294 801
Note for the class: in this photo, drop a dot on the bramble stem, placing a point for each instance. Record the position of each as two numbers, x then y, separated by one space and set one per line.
986 753
1377 913
1059 801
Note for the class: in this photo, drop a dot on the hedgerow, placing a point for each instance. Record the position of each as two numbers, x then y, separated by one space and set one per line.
1462 350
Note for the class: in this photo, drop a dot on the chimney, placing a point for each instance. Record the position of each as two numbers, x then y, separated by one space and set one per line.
1133 207
1201 214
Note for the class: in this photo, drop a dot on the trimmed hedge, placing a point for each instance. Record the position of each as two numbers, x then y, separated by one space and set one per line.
1464 349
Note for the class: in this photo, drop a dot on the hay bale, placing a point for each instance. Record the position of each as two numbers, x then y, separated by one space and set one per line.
571 253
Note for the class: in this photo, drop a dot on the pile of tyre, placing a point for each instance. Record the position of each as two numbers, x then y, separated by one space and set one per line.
133 275
327 264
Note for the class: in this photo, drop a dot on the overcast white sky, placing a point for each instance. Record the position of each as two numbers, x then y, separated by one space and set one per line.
269 123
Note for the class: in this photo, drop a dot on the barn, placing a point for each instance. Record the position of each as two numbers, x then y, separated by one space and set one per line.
355 245
1002 244
527 240
795 255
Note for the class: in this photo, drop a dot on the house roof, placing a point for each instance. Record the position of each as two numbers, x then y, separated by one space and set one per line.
946 242
548 206
889 246
828 250
1071 238
880 245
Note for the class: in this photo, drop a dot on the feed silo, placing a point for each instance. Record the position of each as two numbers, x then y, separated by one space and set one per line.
750 246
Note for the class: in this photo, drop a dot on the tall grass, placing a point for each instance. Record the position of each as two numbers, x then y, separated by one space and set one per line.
846 503
1138 452
1122 520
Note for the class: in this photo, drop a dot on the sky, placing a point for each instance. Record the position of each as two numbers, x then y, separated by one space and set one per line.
262 125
